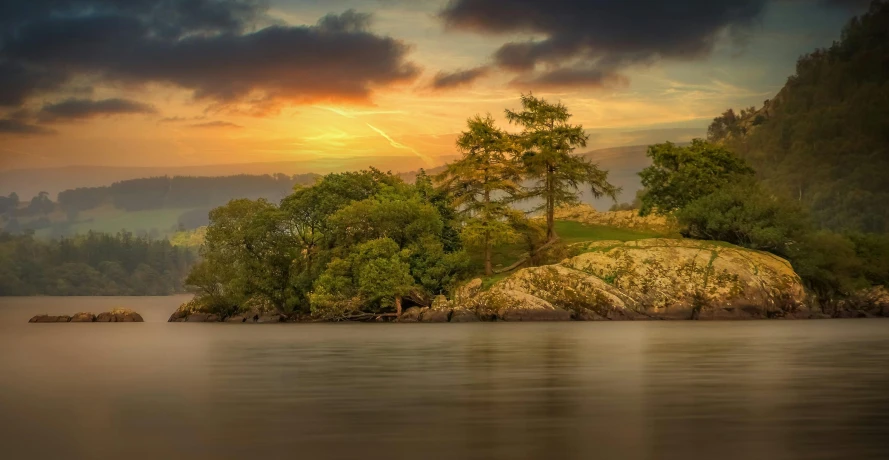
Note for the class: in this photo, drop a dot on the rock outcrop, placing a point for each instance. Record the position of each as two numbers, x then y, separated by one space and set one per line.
867 303
655 278
118 315
83 317
50 319
192 312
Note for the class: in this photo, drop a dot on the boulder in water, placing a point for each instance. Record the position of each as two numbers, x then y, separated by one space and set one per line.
83 317
119 315
50 319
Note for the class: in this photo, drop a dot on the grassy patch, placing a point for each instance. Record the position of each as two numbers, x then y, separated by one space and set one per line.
113 221
576 232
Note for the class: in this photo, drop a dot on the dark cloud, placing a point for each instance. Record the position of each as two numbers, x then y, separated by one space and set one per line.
216 124
21 128
448 80
224 51
79 109
573 77
591 41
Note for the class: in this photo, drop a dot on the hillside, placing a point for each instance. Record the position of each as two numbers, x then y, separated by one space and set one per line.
824 139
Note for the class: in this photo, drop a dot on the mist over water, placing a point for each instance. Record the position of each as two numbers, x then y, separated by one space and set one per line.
630 390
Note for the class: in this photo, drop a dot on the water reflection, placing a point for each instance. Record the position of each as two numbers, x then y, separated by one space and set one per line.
776 390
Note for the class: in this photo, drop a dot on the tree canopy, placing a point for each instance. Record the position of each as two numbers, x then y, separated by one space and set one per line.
548 141
679 175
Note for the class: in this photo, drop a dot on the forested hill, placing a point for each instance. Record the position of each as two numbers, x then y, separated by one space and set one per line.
153 206
824 139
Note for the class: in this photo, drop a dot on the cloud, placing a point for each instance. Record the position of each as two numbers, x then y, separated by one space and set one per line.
449 80
571 77
18 127
80 109
216 124
591 42
223 51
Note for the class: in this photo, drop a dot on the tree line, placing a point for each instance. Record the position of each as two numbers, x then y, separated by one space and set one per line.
368 242
179 192
92 264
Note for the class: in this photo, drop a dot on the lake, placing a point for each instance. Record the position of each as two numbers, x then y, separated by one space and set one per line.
623 390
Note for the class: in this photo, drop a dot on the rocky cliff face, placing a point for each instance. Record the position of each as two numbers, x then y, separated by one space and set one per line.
655 278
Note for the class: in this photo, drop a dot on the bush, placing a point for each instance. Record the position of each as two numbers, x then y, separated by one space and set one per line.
746 215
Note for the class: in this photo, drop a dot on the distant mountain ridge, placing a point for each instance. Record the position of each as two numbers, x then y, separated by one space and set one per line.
29 182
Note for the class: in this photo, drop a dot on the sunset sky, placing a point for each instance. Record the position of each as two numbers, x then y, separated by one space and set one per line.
193 82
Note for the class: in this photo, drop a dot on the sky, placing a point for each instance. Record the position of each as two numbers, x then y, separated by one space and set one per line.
196 82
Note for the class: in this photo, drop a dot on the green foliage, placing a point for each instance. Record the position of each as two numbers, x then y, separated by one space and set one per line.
745 214
92 264
353 243
482 183
548 141
681 175
823 139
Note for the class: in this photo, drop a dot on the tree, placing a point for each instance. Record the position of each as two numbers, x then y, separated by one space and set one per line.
482 183
374 277
41 204
548 141
680 175
747 215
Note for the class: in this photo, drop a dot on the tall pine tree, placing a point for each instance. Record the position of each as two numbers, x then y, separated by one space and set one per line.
482 183
549 141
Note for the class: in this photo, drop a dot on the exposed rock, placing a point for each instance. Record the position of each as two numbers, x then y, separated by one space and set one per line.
50 319
655 278
271 318
411 315
468 290
244 318
440 312
83 318
178 316
119 315
197 318
436 315
869 302
464 315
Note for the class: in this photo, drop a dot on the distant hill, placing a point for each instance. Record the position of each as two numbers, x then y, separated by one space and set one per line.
824 139
162 205
27 183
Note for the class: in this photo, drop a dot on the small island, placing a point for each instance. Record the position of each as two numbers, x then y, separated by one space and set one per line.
501 234
117 315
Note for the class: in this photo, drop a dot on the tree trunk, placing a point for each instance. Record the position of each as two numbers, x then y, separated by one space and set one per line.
398 306
488 269
550 206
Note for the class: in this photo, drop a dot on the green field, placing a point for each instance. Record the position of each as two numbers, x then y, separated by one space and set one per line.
113 221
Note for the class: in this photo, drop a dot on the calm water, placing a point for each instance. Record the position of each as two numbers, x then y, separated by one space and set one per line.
645 390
